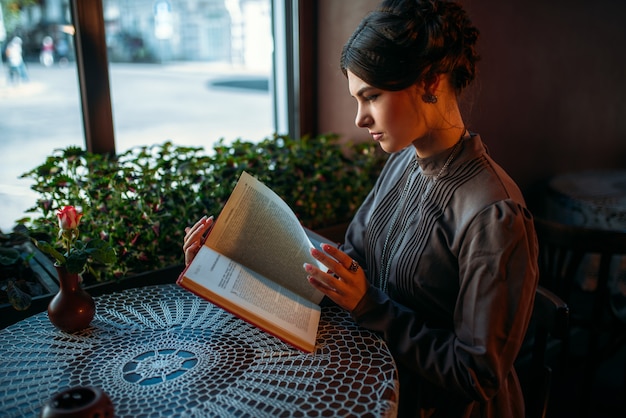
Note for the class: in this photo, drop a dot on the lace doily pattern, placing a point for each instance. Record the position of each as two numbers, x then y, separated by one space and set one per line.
162 351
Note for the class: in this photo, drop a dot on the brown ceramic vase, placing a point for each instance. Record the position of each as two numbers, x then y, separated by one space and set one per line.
72 308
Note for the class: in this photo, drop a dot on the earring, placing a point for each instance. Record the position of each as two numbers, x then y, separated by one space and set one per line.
429 98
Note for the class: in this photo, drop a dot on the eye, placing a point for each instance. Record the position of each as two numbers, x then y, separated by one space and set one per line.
371 97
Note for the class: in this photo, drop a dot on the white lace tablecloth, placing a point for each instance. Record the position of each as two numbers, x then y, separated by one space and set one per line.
162 351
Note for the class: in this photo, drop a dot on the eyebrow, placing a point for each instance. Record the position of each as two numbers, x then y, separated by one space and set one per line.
362 90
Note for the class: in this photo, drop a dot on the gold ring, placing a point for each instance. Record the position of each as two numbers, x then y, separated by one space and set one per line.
354 266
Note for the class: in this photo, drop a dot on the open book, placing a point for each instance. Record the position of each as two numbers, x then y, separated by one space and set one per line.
252 265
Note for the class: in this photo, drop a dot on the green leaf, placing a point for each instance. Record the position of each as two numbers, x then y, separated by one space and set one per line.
19 299
101 252
75 263
50 250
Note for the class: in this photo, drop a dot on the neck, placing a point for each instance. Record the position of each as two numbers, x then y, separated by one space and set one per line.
438 140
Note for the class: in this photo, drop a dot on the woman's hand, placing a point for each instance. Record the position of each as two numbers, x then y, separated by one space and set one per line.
195 237
345 282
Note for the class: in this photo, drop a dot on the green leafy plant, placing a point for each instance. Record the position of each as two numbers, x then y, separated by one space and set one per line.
140 201
321 179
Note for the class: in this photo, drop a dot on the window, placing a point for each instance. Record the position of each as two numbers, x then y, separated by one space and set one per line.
39 104
189 71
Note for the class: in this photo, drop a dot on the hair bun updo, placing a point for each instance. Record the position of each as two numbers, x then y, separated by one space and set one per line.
405 41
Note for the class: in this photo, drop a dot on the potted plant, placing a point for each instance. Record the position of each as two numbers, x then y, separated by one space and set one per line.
140 201
72 309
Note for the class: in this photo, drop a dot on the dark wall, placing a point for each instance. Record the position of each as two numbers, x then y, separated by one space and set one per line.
551 91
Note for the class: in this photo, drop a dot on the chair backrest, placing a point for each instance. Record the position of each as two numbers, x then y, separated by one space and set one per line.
550 321
576 263
562 250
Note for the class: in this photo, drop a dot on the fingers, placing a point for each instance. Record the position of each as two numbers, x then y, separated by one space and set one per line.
195 237
346 292
191 251
198 230
199 225
336 260
344 282
337 274
326 282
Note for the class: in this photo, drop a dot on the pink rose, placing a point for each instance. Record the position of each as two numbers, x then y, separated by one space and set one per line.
68 218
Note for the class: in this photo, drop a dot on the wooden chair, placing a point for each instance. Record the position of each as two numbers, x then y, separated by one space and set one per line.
550 322
563 251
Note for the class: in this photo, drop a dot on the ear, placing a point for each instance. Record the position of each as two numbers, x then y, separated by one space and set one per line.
430 83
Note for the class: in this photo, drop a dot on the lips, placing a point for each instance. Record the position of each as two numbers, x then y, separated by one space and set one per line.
377 136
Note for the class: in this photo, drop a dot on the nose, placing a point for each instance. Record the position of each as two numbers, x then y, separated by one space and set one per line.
362 119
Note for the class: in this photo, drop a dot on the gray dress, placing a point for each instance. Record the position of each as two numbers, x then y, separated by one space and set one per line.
454 300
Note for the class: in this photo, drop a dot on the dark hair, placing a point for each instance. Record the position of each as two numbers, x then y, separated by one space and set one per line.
405 41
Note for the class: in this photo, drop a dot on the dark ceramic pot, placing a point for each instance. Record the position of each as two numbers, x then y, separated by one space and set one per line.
79 402
72 308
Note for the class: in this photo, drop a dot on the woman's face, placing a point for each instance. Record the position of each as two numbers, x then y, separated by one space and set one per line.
395 119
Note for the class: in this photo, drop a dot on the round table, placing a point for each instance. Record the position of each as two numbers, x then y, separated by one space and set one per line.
593 198
162 351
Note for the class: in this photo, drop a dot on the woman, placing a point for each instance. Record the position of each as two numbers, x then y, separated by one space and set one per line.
441 257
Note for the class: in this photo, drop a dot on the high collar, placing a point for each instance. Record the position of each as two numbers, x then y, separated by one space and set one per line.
470 146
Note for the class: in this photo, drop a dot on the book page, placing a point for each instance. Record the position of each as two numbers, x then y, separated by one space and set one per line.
258 230
253 298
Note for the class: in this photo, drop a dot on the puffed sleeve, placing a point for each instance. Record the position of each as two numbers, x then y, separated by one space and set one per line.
497 268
